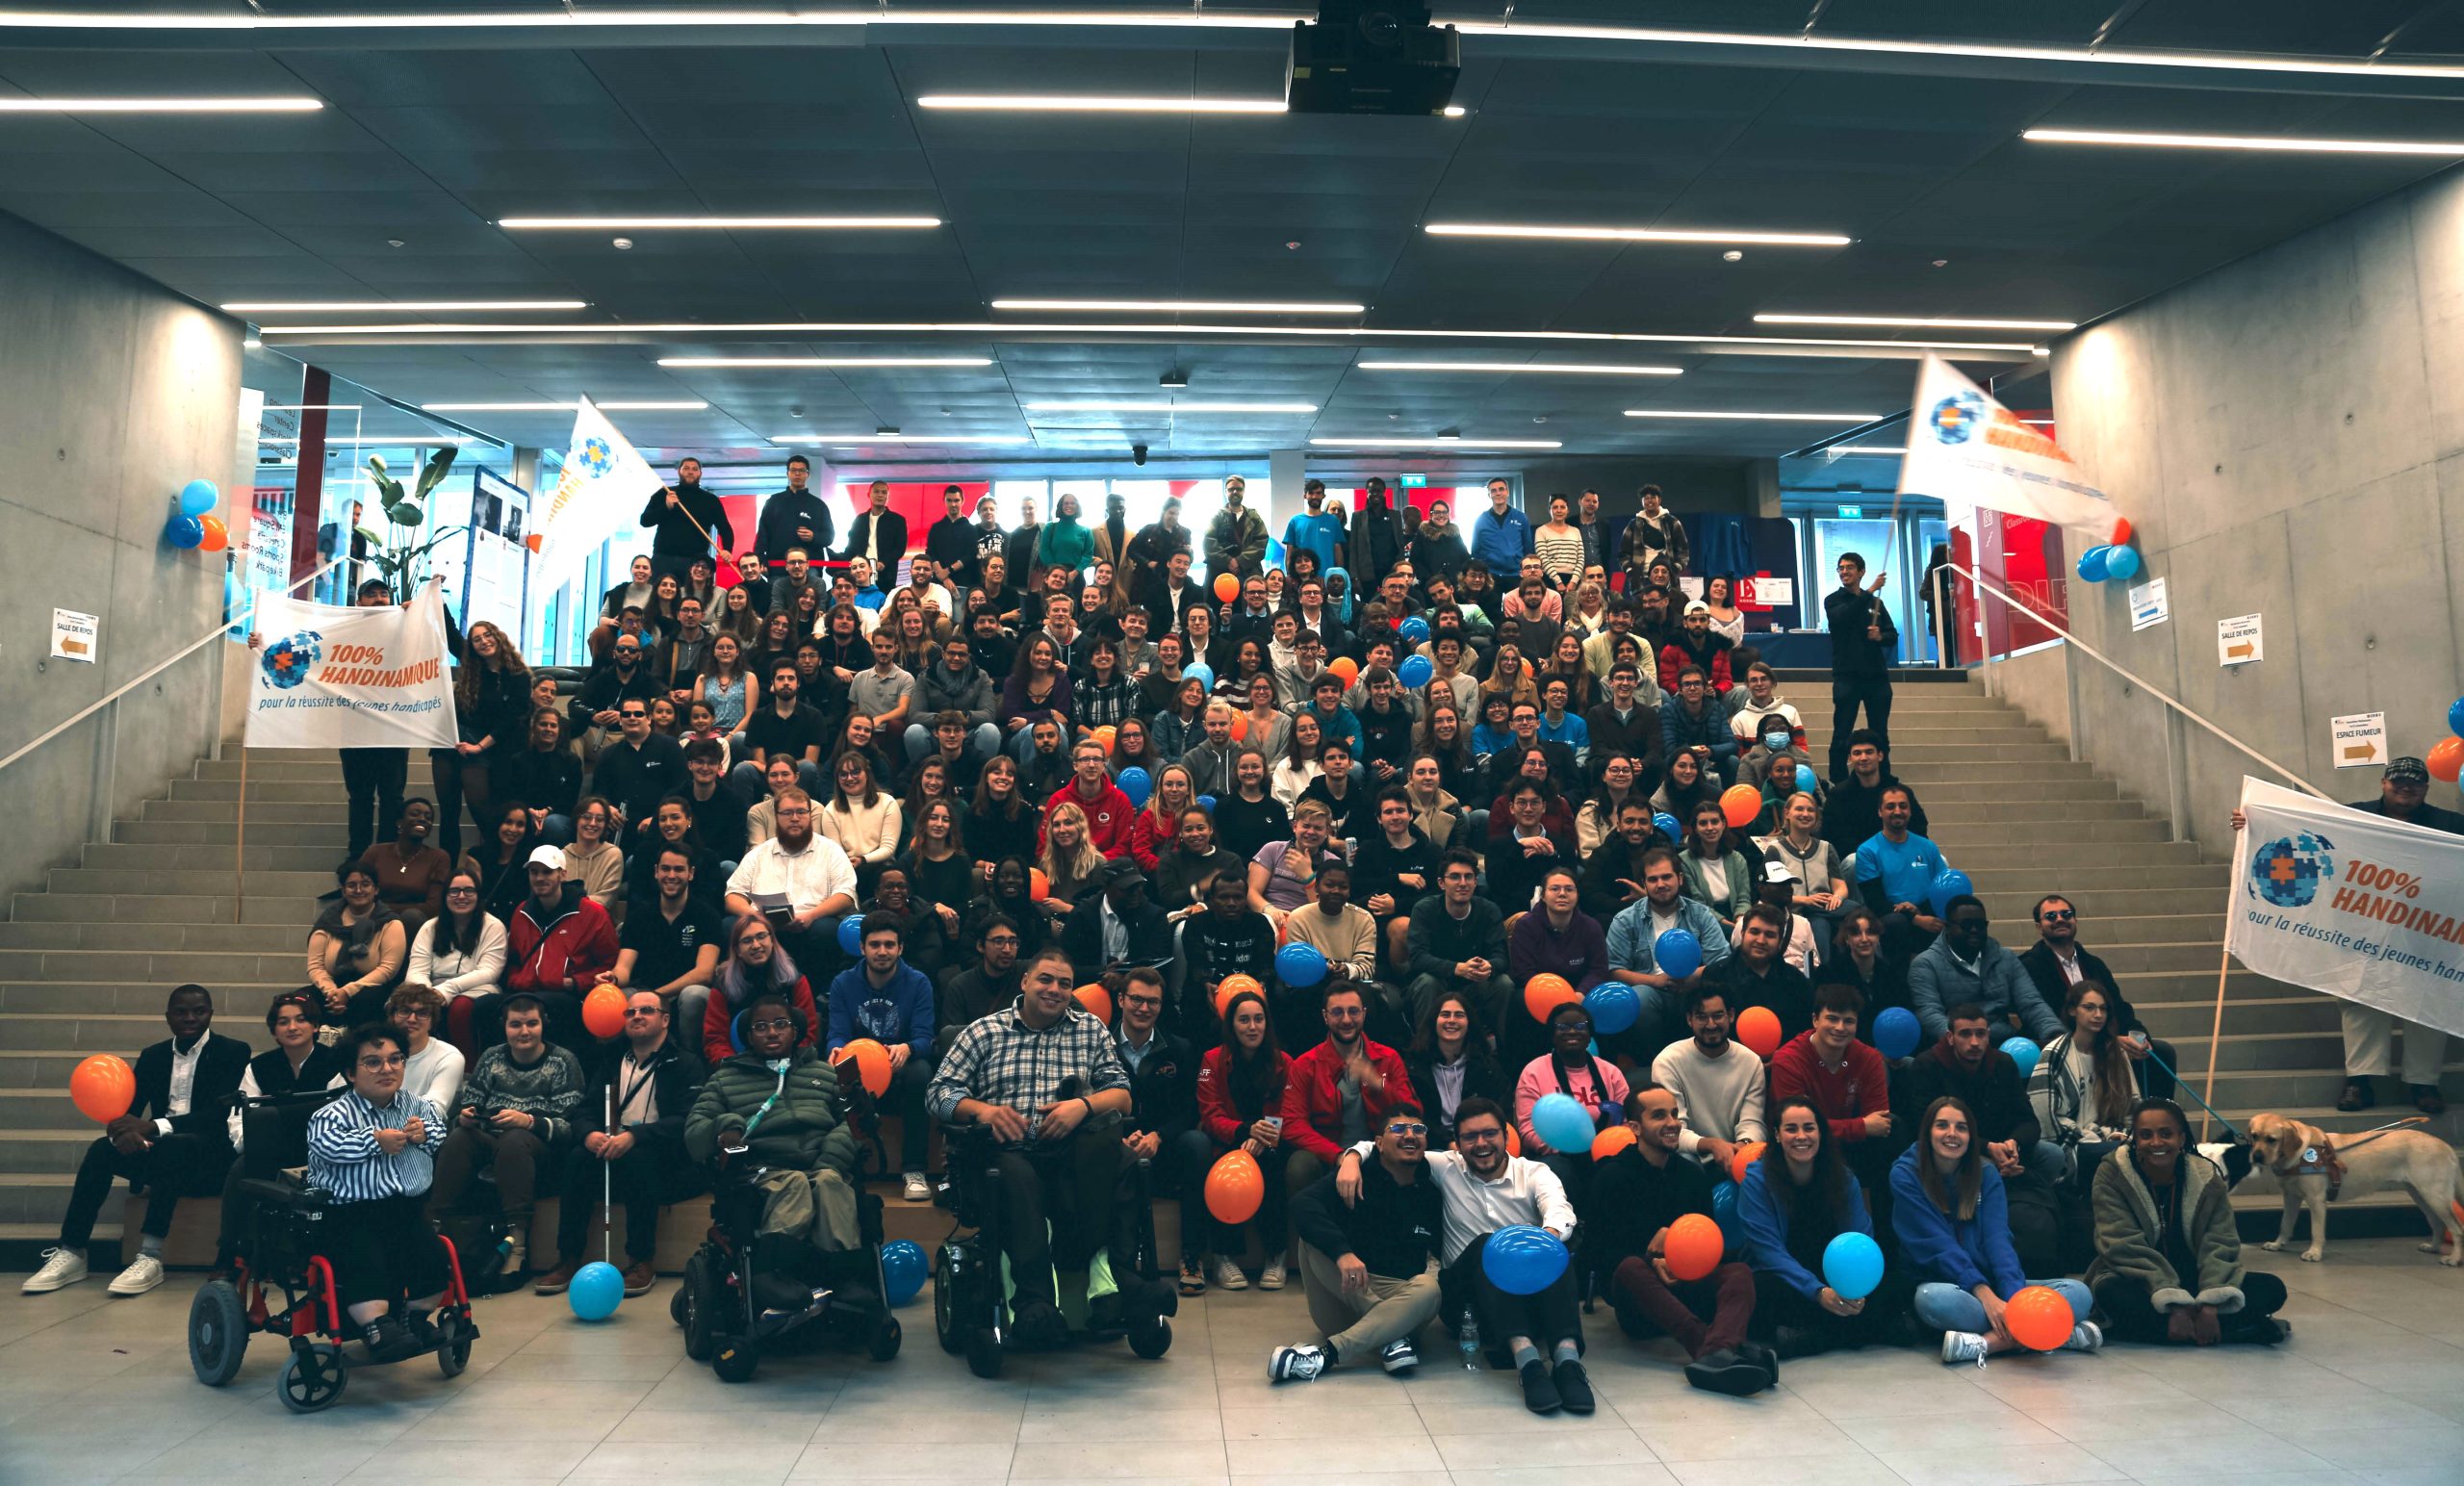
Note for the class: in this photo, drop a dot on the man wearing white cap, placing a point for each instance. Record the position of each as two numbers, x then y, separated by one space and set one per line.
557 945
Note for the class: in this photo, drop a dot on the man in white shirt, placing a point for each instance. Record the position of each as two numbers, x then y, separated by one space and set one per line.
1485 1190
814 877
1719 1090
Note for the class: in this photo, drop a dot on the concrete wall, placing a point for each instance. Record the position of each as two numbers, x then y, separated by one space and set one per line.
2287 433
113 393
2038 685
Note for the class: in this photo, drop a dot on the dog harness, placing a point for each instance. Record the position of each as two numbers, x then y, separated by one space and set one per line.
2320 1161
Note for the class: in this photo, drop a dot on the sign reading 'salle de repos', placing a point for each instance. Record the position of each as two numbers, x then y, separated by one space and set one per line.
327 676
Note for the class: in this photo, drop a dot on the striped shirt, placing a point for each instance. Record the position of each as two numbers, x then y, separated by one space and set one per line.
1001 1060
344 1159
1560 553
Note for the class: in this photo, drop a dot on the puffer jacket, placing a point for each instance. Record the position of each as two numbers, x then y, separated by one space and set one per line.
805 1131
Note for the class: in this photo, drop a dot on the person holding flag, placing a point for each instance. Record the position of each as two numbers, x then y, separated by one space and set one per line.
685 520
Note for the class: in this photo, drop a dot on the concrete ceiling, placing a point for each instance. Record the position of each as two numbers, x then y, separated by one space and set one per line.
433 133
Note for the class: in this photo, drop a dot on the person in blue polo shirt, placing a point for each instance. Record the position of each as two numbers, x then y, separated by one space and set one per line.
890 1001
1895 871
1317 529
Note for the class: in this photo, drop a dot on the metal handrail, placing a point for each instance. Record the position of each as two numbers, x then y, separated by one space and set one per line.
201 642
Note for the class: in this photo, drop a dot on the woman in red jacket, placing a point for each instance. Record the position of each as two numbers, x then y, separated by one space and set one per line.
754 966
1240 1095
1158 824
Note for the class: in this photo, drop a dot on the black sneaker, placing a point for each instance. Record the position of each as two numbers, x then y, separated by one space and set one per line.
389 1340
1759 1353
1539 1393
1795 1341
1574 1387
1037 1323
1728 1370
2358 1095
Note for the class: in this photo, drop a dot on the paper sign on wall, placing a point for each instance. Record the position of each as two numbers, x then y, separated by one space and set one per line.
2238 641
1772 593
2360 741
2148 604
73 635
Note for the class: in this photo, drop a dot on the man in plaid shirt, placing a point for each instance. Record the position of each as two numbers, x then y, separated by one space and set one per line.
1043 1077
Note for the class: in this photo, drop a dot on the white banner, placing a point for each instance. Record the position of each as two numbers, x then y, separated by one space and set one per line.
598 493
2363 907
351 677
1967 450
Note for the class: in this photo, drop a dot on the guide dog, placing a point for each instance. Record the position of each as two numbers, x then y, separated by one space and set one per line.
2314 1170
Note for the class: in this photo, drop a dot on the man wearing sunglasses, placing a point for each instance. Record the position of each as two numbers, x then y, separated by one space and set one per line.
2057 962
1363 1264
631 1122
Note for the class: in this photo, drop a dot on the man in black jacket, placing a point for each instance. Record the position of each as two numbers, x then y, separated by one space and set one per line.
632 1144
1862 640
1393 869
1119 929
640 769
684 520
1967 1063
2057 962
1364 1266
1853 814
793 517
1613 876
950 541
878 535
624 675
171 1143
1162 1078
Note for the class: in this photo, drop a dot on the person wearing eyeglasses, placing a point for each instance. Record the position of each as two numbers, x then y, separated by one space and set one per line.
1364 1263
631 1122
375 1149
2057 962
639 769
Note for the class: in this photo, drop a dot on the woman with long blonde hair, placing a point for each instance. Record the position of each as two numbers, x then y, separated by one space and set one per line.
1069 861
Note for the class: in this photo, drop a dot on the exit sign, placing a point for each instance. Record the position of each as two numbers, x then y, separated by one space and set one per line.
1415 482
1852 513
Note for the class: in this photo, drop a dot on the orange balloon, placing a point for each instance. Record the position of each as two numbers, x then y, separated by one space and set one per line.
218 536
2122 530
1235 1187
603 1011
1226 587
2446 759
2038 1319
102 1087
1096 999
1239 726
1544 993
1747 1154
872 1063
1758 1027
1038 886
1103 735
1232 985
1694 1246
1345 667
1609 1142
1513 1140
1740 804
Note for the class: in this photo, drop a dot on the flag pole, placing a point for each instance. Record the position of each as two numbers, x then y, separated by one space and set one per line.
2214 1037
240 839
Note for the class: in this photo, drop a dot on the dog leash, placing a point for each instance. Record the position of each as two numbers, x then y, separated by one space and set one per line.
2183 1085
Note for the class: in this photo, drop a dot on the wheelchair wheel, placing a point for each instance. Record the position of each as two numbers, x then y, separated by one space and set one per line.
946 1303
736 1359
882 1344
217 1333
1151 1342
313 1379
699 1297
675 1305
455 1354
983 1352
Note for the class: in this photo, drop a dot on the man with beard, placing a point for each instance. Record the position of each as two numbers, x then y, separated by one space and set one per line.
1236 540
1364 1264
684 520
812 876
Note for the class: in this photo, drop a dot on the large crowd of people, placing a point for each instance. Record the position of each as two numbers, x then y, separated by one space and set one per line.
920 797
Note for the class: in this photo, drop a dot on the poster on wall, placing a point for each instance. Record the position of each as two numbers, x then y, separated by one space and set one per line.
2239 641
73 635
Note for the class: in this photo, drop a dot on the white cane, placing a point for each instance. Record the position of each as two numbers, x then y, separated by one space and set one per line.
608 1187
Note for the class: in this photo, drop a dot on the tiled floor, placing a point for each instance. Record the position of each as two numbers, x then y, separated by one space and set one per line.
2369 1390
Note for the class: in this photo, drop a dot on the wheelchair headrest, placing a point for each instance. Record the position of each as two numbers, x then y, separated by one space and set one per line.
274 1131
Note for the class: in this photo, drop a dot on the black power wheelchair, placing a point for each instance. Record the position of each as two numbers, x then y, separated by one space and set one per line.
277 1228
970 1310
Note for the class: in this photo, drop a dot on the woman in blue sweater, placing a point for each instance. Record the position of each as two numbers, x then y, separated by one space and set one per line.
1795 1199
1953 1230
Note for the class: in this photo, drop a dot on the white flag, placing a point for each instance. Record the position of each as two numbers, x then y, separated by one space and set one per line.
329 677
1967 451
598 493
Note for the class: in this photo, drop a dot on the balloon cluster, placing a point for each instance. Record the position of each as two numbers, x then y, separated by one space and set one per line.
2447 755
2116 561
193 525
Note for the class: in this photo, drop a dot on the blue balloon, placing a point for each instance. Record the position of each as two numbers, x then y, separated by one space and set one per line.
1137 784
1666 824
1950 882
1895 1032
2023 1052
1677 953
2121 562
2092 567
1415 671
851 934
1613 1007
1206 803
1300 965
1522 1260
198 496
1804 779
598 1288
1202 672
184 531
1564 1122
1414 629
1851 1264
2455 718
904 1270
1724 1213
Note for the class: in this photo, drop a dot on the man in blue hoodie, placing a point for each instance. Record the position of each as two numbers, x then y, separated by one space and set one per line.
890 1001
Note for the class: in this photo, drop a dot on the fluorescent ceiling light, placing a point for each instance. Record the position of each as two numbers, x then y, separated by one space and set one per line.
1098 405
1435 444
825 361
378 440
1637 234
158 105
1179 306
388 306
2242 141
1772 418
1455 111
1565 368
694 224
1090 103
1938 322
892 438
561 408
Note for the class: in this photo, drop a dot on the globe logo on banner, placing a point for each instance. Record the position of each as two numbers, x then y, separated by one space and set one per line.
287 661
1957 416
2287 871
596 457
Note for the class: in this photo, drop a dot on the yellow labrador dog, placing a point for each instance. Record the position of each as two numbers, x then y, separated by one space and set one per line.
2315 1169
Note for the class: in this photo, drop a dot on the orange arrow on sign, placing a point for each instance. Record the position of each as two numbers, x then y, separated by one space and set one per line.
2361 751
2243 649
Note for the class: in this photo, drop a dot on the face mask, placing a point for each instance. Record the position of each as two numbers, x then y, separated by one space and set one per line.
1775 741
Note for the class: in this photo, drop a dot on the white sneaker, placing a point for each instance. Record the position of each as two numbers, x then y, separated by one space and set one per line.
141 1275
1296 1364
1228 1275
515 1252
2085 1337
61 1268
918 1190
1960 1346
1271 1276
1399 1356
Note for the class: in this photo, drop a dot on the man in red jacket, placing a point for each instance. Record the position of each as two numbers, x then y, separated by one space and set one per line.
1849 1080
558 944
1337 1093
1109 813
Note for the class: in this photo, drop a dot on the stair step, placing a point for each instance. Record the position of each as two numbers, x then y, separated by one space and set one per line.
327 769
261 792
2009 849
2183 1021
288 932
257 855
2117 873
327 812
111 909
214 880
239 1000
2100 903
86 1032
2018 817
2119 826
167 969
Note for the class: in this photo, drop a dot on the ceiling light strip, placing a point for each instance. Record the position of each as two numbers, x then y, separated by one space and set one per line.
279 105
895 438
1570 233
1916 322
2234 141
1100 405
825 361
1185 306
1753 418
711 223
1533 368
1464 443
1087 103
561 407
390 306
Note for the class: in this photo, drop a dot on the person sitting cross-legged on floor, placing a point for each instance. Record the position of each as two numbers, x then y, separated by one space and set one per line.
1797 1198
2169 1258
1638 1193
1364 1264
170 1145
1954 1227
631 1122
375 1149
515 1114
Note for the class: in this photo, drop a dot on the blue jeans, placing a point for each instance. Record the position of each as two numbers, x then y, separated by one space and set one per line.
1941 1306
983 740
